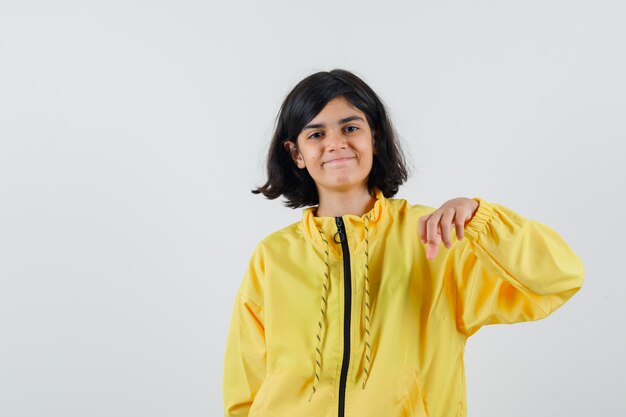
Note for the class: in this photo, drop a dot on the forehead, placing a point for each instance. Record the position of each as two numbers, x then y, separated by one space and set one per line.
336 111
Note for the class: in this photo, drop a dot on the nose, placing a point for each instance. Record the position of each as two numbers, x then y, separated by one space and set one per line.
335 140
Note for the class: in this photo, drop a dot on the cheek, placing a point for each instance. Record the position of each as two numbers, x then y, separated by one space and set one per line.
309 161
312 156
367 153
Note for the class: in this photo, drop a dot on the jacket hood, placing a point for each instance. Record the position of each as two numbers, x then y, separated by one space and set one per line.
324 233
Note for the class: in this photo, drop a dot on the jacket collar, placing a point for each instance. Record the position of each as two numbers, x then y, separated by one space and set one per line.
355 225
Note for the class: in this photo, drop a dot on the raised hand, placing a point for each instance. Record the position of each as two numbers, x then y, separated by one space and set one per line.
435 227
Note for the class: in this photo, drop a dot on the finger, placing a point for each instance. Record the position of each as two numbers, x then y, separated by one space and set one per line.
431 252
433 247
446 223
432 228
459 225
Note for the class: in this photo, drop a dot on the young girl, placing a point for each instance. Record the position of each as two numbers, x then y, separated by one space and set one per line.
356 310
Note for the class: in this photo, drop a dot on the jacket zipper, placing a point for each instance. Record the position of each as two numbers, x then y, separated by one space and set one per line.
346 315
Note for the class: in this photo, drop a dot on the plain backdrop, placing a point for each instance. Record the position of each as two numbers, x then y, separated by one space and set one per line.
131 134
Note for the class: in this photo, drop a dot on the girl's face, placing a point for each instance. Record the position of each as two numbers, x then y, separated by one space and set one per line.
336 147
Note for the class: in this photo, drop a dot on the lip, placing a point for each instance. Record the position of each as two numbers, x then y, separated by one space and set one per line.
339 160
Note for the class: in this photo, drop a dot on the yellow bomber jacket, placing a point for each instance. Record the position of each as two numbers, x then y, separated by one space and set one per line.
345 316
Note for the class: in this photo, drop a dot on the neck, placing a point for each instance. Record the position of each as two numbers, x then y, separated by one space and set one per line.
339 203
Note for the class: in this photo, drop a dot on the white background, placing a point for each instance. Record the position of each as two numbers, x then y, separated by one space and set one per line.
131 134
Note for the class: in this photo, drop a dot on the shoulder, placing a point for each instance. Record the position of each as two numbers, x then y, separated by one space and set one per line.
402 207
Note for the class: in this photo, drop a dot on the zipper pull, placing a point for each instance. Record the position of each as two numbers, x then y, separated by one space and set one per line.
340 231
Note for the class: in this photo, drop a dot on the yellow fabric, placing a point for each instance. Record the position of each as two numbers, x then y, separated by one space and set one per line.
506 269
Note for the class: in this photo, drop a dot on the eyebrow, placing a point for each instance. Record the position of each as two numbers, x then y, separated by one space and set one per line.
344 120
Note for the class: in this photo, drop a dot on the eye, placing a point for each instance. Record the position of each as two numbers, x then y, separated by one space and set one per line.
311 136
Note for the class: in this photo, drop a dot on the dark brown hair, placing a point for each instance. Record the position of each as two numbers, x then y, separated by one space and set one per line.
300 106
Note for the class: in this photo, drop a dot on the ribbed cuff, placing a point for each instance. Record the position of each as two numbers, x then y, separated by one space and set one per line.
484 213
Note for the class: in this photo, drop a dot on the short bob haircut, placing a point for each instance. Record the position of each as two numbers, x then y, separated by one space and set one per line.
300 106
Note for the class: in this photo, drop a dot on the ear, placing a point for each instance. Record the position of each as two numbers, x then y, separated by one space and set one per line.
292 148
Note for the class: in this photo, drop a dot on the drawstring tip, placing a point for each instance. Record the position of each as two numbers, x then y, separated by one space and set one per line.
311 396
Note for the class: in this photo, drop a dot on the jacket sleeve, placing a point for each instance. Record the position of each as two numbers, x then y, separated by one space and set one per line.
245 353
510 269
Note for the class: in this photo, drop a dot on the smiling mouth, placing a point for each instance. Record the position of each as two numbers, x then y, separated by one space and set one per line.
339 160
